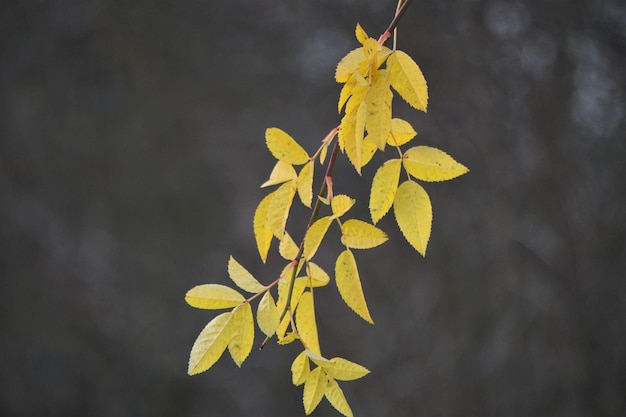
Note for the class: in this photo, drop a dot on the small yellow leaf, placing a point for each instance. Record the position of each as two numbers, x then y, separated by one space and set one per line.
349 64
306 324
305 184
262 232
401 132
344 370
323 154
340 204
279 206
407 79
319 277
242 337
378 122
284 147
287 247
314 236
300 369
267 315
282 172
335 396
361 36
414 214
357 234
384 186
371 47
431 164
349 285
288 338
210 344
213 297
346 92
242 278
314 388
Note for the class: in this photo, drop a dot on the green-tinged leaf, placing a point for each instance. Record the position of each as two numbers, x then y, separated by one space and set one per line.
267 315
431 164
213 297
384 186
319 277
378 121
401 132
357 234
282 172
300 369
340 204
305 184
349 285
210 344
287 247
262 232
414 214
314 236
335 396
360 34
242 278
284 147
306 324
344 370
349 64
314 388
407 79
242 337
279 206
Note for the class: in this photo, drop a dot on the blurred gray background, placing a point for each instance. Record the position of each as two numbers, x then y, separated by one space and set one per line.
131 154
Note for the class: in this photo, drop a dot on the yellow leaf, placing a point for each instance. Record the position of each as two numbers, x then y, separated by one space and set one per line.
335 396
349 64
361 36
242 278
346 92
401 132
262 232
314 236
349 285
242 337
319 277
378 121
359 134
323 154
287 247
279 206
300 369
384 186
414 214
305 184
371 47
314 388
305 322
369 149
359 93
288 338
210 344
358 234
407 79
213 297
344 370
282 172
340 204
267 315
431 164
283 292
284 147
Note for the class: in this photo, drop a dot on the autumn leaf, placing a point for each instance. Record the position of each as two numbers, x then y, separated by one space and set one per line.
314 236
282 172
384 186
318 276
401 132
278 208
431 164
344 370
335 396
284 147
300 369
340 204
349 285
210 344
262 232
306 324
242 278
407 79
414 214
213 297
314 388
242 335
267 315
287 247
357 234
305 184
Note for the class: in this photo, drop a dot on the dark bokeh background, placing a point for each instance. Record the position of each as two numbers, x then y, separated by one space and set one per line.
131 151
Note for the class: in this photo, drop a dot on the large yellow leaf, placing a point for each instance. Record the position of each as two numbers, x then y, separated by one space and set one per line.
279 206
314 388
282 172
414 214
300 369
344 370
407 79
349 285
305 184
213 297
340 204
378 122
284 147
349 64
357 234
287 247
335 396
267 315
210 344
262 232
242 337
401 132
305 322
319 277
431 164
314 236
384 186
242 278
